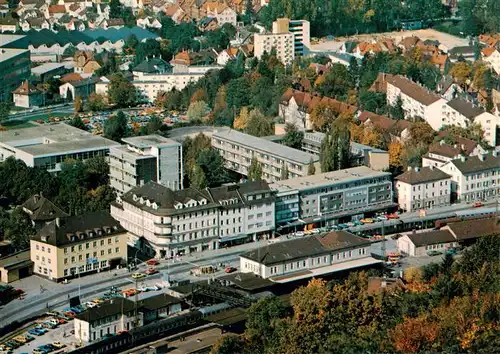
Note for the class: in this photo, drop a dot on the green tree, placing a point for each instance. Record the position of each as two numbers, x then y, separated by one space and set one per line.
78 104
259 125
262 320
20 229
255 170
212 165
131 43
4 111
197 110
229 344
397 111
284 172
311 169
115 9
154 125
121 92
293 137
77 122
95 102
115 127
197 178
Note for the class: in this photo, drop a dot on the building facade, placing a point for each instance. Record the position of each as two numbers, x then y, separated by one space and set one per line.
329 197
238 149
143 159
442 152
475 178
283 43
300 29
308 257
169 223
418 244
423 188
14 69
78 245
47 146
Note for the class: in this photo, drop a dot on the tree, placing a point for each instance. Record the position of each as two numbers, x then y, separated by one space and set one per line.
4 111
20 229
199 95
121 92
131 43
396 152
191 148
322 116
421 132
78 104
197 178
154 125
229 344
115 9
212 165
397 111
293 137
461 72
95 102
115 127
259 125
241 121
284 172
197 110
254 171
262 320
77 122
311 169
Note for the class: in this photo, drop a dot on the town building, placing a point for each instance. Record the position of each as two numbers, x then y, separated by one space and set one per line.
238 149
78 88
282 43
417 244
329 197
15 266
42 211
417 101
48 145
423 188
27 96
461 113
361 155
308 257
115 315
169 223
246 212
466 232
395 130
143 159
442 152
474 178
78 245
221 12
14 66
491 55
300 30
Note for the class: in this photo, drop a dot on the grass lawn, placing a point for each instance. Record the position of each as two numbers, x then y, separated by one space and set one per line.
45 116
18 125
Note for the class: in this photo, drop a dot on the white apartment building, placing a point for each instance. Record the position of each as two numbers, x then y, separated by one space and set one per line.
423 188
301 33
474 178
308 257
143 159
491 55
417 100
442 152
238 150
169 223
246 211
48 145
464 114
222 12
283 43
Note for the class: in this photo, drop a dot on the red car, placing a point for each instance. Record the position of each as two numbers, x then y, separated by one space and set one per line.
477 204
152 262
70 314
230 269
151 271
392 216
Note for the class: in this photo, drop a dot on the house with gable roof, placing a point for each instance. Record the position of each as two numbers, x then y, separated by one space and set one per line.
27 96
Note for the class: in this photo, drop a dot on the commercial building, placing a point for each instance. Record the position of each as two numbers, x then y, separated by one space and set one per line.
474 178
361 155
423 188
308 257
282 43
300 30
15 266
238 149
168 223
332 196
418 244
48 145
14 65
78 245
143 159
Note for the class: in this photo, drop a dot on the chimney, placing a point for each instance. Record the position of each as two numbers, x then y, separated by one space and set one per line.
462 147
455 146
58 222
36 197
441 142
462 158
431 167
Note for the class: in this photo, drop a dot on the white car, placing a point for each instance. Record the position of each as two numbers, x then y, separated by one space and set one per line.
90 304
315 231
299 233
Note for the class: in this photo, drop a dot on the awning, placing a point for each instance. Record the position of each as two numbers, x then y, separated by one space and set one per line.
232 238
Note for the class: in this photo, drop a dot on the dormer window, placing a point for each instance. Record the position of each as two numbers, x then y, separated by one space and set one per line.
135 197
148 203
91 234
203 201
83 236
154 206
99 232
141 200
73 238
178 205
108 230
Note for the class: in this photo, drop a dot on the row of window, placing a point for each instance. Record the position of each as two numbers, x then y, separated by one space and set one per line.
87 245
87 256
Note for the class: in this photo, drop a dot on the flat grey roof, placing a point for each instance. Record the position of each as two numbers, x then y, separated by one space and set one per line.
7 53
147 141
44 68
123 150
8 38
265 146
51 139
316 138
328 178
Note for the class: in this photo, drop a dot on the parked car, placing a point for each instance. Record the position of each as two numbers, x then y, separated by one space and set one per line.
392 216
451 251
477 204
367 221
58 345
434 253
90 304
20 339
151 271
153 262
299 233
229 269
138 276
